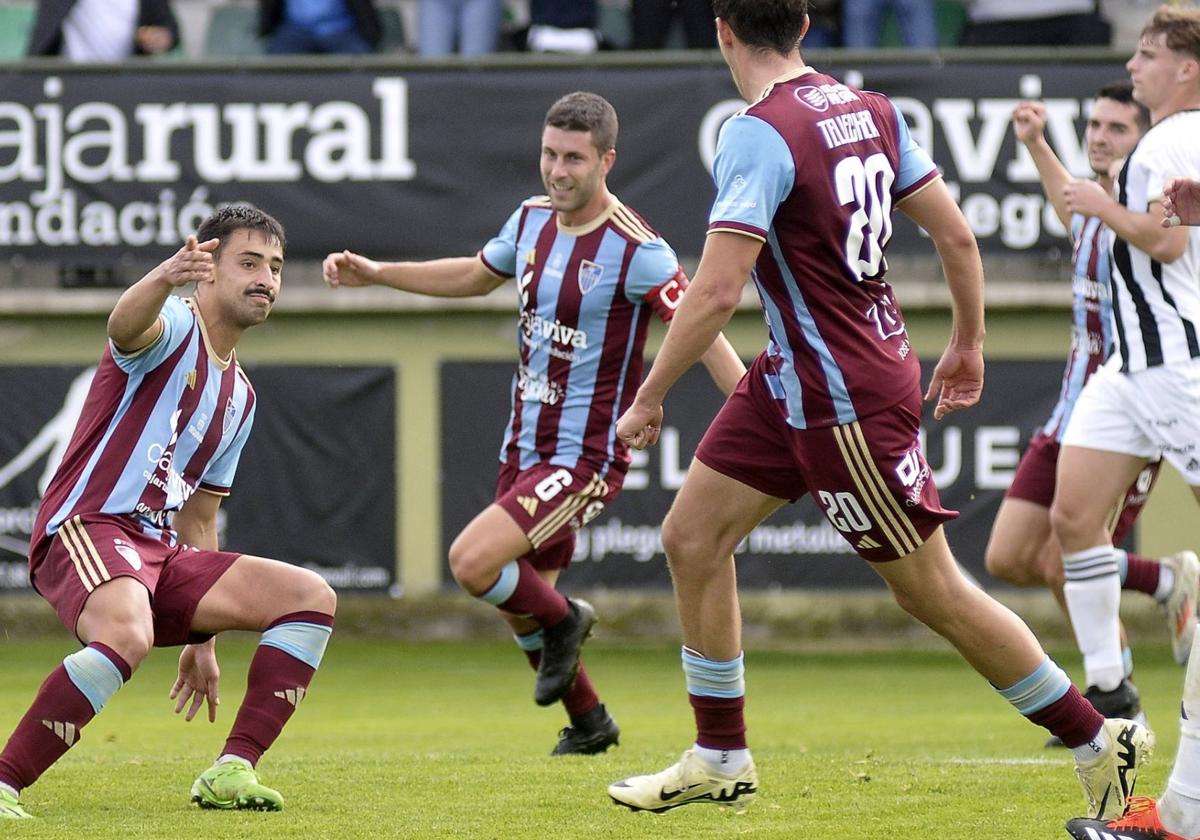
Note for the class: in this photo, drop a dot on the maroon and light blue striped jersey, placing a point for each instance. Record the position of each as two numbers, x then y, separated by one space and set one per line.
1092 315
156 425
814 169
585 296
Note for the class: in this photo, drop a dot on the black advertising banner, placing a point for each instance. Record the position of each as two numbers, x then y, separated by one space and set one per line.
426 162
972 455
306 491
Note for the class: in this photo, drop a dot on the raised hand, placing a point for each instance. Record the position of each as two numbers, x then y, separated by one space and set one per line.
346 268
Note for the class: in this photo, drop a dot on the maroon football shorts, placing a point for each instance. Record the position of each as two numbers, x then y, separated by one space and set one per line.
93 548
550 503
1034 482
869 477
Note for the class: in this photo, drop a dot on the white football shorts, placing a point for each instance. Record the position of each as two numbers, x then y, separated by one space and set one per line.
1148 414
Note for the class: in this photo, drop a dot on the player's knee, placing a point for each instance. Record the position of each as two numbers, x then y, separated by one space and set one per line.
470 567
1069 525
1006 566
311 593
131 639
686 544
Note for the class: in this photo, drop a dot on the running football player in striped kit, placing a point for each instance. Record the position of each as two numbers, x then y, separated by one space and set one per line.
124 545
589 274
1022 548
1170 42
807 177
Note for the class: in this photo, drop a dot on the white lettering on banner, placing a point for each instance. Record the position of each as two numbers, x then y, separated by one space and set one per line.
973 133
997 452
243 142
614 538
672 467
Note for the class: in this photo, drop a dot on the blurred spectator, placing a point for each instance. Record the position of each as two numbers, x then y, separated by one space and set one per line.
319 26
563 26
824 25
103 30
1039 23
652 21
862 22
473 24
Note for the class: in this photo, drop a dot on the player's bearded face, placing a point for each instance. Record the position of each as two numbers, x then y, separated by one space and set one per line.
572 168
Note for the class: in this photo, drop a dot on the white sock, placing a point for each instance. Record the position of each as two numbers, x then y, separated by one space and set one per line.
726 761
1093 593
1179 807
229 757
1166 582
16 793
1085 753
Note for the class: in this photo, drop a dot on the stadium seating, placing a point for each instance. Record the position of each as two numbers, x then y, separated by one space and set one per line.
233 31
15 22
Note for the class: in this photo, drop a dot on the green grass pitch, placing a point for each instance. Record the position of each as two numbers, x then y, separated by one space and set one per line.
442 740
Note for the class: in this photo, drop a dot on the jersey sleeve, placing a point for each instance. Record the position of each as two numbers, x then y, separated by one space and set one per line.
654 277
1170 160
499 255
754 171
177 321
218 478
916 166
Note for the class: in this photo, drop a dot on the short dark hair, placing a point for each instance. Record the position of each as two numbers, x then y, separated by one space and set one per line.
583 111
1122 91
774 25
225 220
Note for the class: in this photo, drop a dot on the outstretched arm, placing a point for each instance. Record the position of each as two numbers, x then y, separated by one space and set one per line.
1029 126
450 277
134 322
957 380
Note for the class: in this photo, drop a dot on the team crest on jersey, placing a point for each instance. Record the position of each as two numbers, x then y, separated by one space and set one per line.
590 274
531 256
190 378
230 416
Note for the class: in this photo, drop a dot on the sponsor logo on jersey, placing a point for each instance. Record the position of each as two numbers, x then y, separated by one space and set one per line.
590 275
190 379
866 543
820 98
537 328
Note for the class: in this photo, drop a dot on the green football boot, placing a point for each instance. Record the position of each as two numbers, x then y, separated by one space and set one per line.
234 784
10 807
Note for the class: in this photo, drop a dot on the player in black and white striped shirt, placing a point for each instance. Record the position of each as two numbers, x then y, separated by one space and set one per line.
1145 401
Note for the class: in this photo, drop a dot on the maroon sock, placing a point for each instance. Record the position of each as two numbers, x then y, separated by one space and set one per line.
1142 574
535 598
275 685
581 698
51 726
1071 717
720 721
